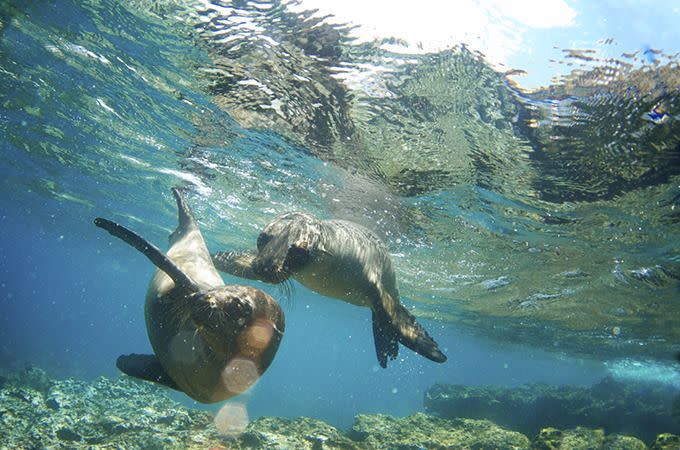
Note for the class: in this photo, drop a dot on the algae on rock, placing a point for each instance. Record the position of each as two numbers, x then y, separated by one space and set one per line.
633 408
300 433
39 412
36 412
666 441
581 438
422 431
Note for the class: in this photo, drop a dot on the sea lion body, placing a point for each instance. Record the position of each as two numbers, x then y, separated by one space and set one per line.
339 259
342 268
210 341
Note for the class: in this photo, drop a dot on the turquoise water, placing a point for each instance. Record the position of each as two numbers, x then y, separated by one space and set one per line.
535 233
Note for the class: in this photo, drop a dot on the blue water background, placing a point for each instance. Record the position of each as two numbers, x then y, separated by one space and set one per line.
73 302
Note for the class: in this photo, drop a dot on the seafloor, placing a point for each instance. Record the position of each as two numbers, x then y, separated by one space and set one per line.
38 412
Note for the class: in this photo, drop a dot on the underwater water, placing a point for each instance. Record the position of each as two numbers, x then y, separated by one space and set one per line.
533 220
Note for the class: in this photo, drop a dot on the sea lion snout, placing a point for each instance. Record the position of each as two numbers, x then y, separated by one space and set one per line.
276 264
270 270
283 247
270 264
224 308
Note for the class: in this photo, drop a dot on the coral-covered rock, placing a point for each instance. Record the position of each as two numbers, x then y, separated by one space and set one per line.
666 441
39 412
639 409
581 438
619 441
421 431
301 433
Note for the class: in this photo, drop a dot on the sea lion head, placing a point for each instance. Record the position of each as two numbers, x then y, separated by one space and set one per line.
243 327
225 313
285 246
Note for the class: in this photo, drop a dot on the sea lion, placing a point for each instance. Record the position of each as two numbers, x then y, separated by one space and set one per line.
210 341
340 259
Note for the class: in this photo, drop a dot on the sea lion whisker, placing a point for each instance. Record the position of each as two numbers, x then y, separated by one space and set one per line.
223 314
286 288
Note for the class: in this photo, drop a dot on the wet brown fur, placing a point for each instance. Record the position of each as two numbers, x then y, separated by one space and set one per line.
340 259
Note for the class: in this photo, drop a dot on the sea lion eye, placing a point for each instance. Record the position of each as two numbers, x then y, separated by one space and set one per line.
262 240
297 258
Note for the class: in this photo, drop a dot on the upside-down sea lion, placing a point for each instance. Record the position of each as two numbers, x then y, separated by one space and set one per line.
210 341
338 259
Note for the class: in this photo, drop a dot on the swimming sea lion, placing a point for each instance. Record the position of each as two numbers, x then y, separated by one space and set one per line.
338 259
210 341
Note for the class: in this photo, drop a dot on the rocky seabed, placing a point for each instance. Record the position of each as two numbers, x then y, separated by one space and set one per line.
37 412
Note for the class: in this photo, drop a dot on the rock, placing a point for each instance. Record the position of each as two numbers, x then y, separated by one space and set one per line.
67 434
421 431
581 438
576 439
29 376
618 441
631 408
75 414
301 433
125 413
666 441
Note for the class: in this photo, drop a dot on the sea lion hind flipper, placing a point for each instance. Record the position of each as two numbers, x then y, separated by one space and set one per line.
406 327
145 367
150 251
237 263
185 216
385 337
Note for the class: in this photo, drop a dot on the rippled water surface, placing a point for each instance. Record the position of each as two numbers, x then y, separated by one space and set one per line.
544 214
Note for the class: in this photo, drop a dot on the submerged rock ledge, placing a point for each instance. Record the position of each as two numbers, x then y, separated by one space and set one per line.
637 408
39 412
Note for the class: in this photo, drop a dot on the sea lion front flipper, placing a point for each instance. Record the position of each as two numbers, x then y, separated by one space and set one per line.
150 251
385 337
145 367
239 263
409 331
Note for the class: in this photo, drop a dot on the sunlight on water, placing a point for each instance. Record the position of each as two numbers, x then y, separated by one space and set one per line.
647 371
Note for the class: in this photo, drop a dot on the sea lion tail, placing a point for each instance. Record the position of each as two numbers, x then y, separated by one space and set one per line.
149 250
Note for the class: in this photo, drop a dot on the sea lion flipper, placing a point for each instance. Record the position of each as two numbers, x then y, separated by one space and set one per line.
239 263
145 367
150 251
185 216
409 331
385 338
